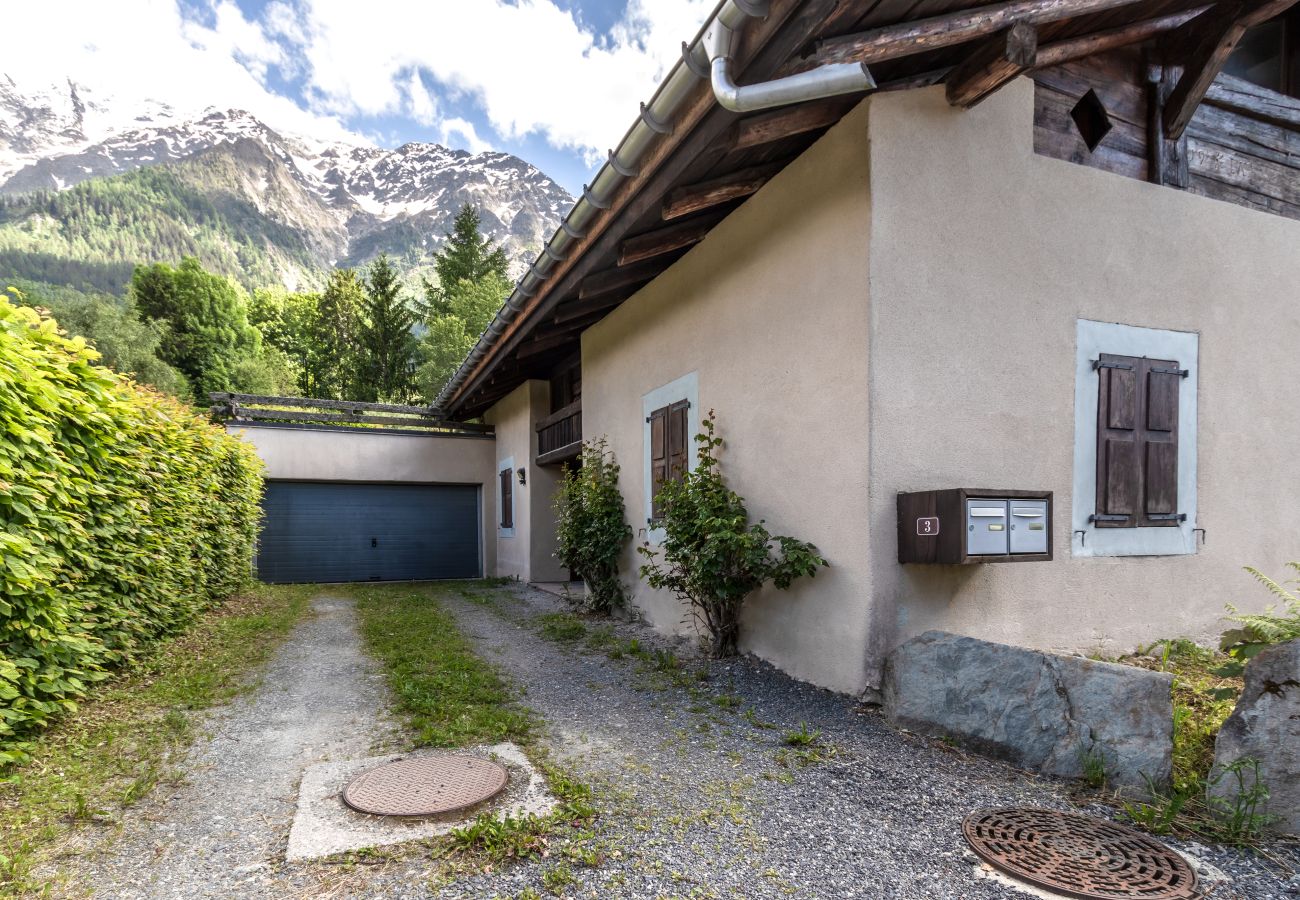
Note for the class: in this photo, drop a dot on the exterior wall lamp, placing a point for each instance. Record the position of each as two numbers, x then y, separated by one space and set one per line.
523 476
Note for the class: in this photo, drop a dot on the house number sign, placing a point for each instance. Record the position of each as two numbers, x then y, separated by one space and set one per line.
927 526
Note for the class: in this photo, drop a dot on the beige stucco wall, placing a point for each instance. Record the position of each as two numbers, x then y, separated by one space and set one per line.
983 256
301 454
529 552
770 312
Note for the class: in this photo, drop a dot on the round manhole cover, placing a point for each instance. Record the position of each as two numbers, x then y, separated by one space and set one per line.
1079 856
429 786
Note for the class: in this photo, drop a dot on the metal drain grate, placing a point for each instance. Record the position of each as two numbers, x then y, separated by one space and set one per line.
1079 856
429 786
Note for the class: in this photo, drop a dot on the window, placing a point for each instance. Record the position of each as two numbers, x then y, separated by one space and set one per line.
506 497
671 419
1135 455
1137 442
668 445
1269 55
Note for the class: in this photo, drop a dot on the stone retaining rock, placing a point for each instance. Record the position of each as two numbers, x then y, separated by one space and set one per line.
1039 711
1266 726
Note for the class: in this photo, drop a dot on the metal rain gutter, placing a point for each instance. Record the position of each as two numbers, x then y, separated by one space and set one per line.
706 57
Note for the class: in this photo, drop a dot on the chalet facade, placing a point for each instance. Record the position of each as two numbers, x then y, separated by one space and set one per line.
1054 253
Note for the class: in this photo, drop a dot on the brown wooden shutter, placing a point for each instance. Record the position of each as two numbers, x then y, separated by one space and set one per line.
507 499
678 440
658 458
1137 442
1160 474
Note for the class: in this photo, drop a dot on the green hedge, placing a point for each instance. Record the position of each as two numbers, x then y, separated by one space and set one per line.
122 515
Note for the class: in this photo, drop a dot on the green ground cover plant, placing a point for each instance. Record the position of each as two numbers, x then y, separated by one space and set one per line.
451 697
123 516
90 767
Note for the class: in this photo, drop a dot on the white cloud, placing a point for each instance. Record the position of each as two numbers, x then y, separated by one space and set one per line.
144 50
468 134
526 65
529 65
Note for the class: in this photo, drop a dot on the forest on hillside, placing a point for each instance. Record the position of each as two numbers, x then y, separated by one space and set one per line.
186 330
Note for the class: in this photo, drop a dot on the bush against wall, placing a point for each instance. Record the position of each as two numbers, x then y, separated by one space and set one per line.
712 556
592 525
122 515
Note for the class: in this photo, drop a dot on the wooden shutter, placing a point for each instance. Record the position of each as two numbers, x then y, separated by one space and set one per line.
678 440
1137 442
507 499
1160 474
658 458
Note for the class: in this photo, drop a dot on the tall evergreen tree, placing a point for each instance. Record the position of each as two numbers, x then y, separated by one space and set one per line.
387 340
473 282
466 257
333 352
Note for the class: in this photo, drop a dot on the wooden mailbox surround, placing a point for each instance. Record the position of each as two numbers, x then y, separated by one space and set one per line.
948 546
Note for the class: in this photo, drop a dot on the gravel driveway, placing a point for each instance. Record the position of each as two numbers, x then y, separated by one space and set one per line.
699 793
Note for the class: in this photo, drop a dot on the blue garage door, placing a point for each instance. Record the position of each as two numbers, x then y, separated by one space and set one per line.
368 532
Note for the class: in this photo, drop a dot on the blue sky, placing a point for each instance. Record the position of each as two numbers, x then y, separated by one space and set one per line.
554 81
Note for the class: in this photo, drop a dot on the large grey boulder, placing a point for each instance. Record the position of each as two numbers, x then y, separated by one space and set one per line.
1036 710
1265 726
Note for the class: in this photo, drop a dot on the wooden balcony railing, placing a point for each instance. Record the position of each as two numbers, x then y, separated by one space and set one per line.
559 435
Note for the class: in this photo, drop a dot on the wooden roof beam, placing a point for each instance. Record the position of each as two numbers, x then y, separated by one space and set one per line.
1058 52
542 344
610 281
1202 46
577 311
666 239
947 30
693 198
994 63
778 124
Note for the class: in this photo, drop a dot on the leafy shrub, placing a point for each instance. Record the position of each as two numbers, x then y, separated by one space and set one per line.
592 525
1273 626
122 515
713 557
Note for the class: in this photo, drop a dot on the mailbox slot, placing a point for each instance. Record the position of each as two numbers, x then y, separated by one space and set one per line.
960 526
1029 526
986 527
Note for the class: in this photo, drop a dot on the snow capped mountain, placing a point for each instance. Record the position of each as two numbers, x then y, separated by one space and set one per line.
370 199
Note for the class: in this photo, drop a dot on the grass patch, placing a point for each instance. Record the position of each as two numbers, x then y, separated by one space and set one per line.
1205 690
449 695
116 748
563 628
1203 700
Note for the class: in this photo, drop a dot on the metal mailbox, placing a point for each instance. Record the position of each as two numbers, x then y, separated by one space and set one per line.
986 527
1028 526
967 525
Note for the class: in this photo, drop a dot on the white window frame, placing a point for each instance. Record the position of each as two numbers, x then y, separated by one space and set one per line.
502 465
1093 339
685 388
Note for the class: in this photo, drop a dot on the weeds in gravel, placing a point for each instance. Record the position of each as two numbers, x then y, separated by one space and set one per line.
802 738
122 744
563 628
450 696
557 878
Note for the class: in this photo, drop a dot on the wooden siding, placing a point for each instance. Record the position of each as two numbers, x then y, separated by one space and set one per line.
1234 152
